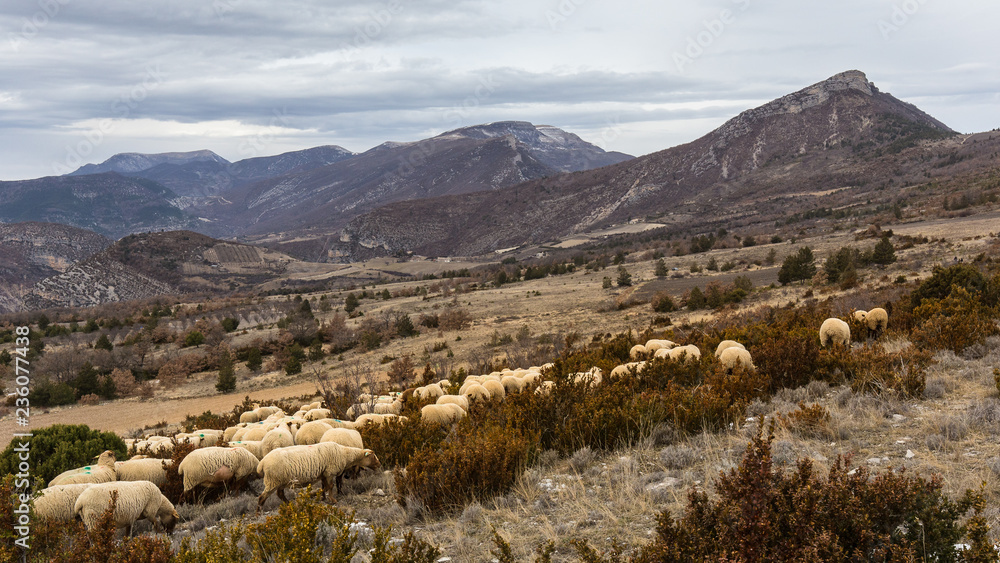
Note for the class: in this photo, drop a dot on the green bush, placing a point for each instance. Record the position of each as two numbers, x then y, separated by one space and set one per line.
60 447
939 285
798 266
229 324
194 338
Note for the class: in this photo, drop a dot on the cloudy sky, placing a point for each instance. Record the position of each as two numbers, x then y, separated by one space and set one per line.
81 80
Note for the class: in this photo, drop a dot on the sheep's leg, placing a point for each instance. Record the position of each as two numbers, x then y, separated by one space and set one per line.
327 487
281 494
340 484
263 497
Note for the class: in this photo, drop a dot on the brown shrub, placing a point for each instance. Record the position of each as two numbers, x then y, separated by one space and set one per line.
454 318
953 323
125 383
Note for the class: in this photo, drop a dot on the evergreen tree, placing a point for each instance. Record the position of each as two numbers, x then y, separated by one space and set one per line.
696 299
86 382
351 302
254 361
227 374
661 269
293 366
624 278
103 343
606 284
884 253
798 266
316 350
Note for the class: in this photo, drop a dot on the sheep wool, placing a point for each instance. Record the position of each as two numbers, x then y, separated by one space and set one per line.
149 469
256 448
249 416
136 500
733 356
311 432
57 503
442 414
513 383
460 400
495 389
877 320
727 344
103 472
278 437
637 351
301 465
212 466
476 393
316 414
395 407
344 436
689 353
545 389
834 332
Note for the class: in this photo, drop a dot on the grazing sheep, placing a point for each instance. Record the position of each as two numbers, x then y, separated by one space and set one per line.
875 321
859 316
495 389
102 472
344 436
249 417
657 345
690 353
545 389
460 400
395 407
442 414
278 437
254 447
255 432
151 469
627 369
136 499
733 356
513 383
372 418
301 465
725 344
430 391
637 351
316 414
476 393
835 332
531 378
312 432
57 503
593 376
213 466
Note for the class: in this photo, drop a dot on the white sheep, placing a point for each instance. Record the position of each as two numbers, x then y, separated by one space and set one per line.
228 434
278 437
311 432
249 417
316 414
57 503
102 472
690 353
256 448
446 413
592 377
628 369
875 320
637 351
835 332
658 344
727 344
495 389
146 469
302 465
344 436
476 393
513 383
733 356
376 419
213 466
136 500
395 407
532 378
545 389
430 391
460 400
255 432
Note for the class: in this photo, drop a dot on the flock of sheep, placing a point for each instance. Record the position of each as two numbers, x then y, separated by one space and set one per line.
310 445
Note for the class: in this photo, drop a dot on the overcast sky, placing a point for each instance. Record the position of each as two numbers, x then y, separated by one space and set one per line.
81 80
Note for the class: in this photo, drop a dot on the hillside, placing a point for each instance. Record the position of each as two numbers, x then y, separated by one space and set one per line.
151 264
107 203
34 251
837 142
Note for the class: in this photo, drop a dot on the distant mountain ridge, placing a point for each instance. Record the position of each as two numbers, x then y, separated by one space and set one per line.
836 133
131 162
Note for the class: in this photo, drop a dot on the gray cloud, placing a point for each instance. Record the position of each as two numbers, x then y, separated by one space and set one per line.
638 76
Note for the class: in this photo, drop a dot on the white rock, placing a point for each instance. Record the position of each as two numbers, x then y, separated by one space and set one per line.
910 454
898 418
874 460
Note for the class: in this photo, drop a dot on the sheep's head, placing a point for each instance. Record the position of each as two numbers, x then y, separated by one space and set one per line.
859 316
168 517
107 457
369 461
